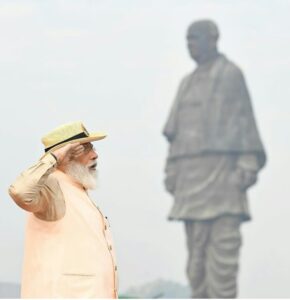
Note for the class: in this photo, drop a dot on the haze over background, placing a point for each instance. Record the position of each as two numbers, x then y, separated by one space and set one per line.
116 66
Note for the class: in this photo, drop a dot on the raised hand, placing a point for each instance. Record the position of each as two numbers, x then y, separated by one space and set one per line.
68 152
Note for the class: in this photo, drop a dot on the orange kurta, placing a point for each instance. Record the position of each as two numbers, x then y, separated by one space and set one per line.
72 256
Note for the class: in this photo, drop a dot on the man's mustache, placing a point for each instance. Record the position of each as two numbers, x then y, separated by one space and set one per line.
93 166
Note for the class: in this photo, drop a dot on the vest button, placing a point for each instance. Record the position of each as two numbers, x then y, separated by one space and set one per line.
116 268
105 227
110 248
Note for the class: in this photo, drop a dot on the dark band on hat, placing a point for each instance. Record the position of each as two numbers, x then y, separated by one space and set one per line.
75 137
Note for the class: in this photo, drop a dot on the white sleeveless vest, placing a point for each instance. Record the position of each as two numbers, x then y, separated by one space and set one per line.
72 257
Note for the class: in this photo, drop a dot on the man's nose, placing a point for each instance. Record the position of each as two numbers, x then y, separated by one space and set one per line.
95 154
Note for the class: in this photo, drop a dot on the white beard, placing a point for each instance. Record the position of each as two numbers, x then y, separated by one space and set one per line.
82 174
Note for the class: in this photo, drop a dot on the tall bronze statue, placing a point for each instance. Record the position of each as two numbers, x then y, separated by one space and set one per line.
214 157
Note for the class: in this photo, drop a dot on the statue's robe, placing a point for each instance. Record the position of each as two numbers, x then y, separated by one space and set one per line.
212 132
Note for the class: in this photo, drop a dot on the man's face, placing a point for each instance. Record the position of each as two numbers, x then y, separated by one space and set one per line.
89 157
197 43
83 167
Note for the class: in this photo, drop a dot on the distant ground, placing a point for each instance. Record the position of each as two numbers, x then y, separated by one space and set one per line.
158 289
9 290
152 290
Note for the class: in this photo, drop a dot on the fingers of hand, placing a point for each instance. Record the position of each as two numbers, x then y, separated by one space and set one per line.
73 146
77 151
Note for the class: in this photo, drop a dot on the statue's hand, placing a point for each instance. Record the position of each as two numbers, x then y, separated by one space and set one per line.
246 178
249 178
169 184
170 177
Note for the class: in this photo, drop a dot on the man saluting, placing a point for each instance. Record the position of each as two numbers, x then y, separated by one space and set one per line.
68 245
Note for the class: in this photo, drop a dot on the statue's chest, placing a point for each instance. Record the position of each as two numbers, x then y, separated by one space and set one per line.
191 107
197 99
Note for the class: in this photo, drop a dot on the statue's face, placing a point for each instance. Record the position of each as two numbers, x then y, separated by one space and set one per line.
198 43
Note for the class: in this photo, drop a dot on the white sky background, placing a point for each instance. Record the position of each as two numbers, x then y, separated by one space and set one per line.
116 65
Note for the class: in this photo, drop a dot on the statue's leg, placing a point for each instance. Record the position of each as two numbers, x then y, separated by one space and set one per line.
197 233
223 257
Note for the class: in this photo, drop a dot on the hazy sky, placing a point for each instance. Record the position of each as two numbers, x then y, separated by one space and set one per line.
116 66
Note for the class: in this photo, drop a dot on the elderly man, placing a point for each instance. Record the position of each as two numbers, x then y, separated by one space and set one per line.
214 157
68 245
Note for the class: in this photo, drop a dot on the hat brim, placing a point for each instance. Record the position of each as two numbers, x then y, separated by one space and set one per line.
96 136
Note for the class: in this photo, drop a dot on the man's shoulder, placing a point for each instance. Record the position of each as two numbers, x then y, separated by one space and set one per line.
231 68
186 78
53 179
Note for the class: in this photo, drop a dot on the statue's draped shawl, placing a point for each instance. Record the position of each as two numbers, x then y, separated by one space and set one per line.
228 120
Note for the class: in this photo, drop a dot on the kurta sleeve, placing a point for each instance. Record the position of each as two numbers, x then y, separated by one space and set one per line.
37 192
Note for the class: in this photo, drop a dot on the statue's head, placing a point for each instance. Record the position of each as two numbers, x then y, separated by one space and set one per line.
202 37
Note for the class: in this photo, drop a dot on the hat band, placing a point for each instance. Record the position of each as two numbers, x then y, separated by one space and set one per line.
75 137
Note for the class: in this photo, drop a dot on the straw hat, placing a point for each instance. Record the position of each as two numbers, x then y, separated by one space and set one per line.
69 133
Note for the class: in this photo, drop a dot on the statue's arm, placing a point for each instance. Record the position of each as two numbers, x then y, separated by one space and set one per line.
36 191
251 157
170 176
248 164
169 130
253 154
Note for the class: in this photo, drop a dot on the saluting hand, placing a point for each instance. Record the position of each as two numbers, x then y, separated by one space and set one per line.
67 153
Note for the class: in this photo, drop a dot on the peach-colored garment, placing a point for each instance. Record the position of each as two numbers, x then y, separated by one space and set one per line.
73 256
